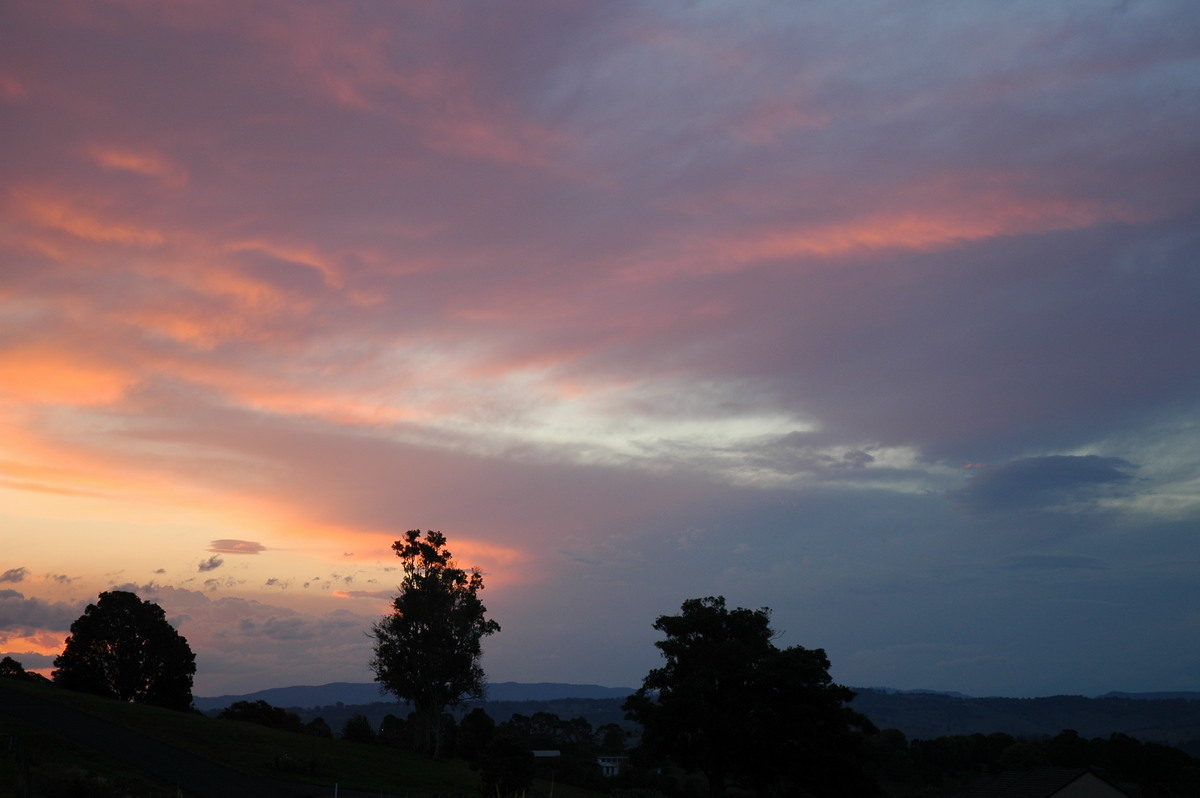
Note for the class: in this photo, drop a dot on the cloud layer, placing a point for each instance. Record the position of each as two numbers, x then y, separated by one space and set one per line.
884 319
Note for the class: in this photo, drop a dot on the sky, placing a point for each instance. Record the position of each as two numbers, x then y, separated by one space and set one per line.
880 315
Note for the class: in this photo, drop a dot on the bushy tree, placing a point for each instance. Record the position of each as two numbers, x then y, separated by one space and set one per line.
124 648
730 704
507 766
475 732
427 651
264 714
318 727
12 669
611 739
357 729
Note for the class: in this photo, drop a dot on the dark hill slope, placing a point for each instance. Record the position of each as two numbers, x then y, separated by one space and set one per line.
22 708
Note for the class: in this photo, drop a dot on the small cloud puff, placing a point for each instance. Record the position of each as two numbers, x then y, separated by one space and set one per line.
211 564
371 594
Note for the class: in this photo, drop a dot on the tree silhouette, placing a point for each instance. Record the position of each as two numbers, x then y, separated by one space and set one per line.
264 714
357 729
731 705
427 651
123 647
506 766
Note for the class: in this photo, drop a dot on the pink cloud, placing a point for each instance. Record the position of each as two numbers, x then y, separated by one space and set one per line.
227 546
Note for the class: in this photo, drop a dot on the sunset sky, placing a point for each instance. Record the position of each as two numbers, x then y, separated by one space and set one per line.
883 315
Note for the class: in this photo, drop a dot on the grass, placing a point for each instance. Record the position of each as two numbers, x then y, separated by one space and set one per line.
270 753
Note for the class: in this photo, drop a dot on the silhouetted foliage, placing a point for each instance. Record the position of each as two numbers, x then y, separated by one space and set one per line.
948 763
731 705
611 739
123 647
573 739
318 728
393 731
475 733
11 669
358 729
507 766
263 714
427 651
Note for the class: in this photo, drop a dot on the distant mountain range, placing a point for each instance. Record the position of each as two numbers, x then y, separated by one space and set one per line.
350 693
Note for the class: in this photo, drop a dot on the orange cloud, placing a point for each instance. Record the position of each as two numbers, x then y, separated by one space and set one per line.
48 644
44 375
941 225
67 217
140 163
228 546
291 254
386 595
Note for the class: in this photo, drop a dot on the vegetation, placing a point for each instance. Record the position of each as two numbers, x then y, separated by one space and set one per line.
263 714
427 651
49 758
52 764
732 706
123 648
12 669
944 765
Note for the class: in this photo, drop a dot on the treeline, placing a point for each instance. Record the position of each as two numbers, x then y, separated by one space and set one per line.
504 752
943 765
903 768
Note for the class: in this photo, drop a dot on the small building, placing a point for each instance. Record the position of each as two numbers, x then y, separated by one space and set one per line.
1045 783
611 765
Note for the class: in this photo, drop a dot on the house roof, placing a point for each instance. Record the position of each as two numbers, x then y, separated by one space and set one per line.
1036 783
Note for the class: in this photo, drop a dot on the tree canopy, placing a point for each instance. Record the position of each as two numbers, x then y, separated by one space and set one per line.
732 705
427 651
124 648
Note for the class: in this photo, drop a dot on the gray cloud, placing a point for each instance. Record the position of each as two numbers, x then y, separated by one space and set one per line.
26 615
31 660
276 628
1044 483
211 564
14 574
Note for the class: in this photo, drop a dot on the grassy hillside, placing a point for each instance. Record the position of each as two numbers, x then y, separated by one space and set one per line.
68 742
